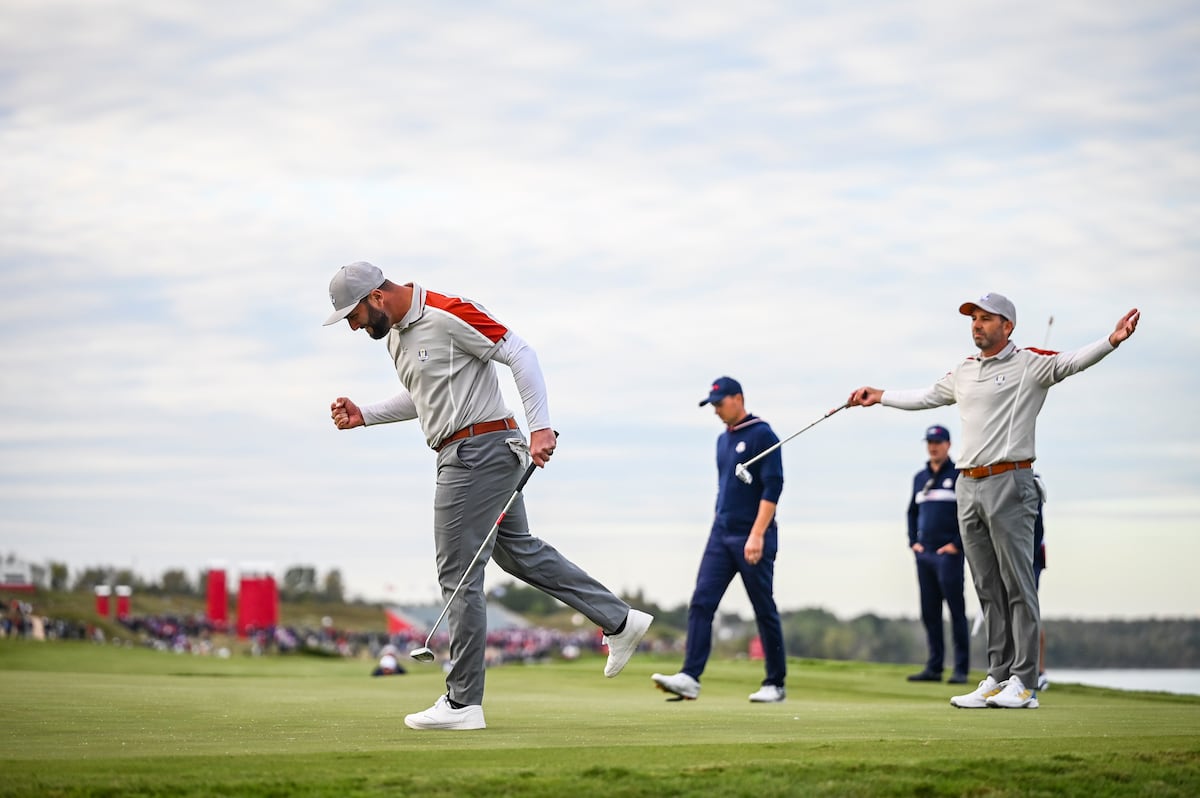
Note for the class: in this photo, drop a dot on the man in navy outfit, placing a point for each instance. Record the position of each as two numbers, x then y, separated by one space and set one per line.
744 540
937 545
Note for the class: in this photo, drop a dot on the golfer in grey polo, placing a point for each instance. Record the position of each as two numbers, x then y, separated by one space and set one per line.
443 347
999 393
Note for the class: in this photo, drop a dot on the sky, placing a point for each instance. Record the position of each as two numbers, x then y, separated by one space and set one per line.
799 195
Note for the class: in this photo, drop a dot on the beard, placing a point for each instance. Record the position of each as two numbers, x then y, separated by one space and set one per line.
985 342
378 324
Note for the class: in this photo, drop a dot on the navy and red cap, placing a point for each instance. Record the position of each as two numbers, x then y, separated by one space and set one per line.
722 387
937 433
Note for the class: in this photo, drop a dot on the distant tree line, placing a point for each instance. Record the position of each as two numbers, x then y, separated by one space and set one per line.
300 582
817 633
1170 643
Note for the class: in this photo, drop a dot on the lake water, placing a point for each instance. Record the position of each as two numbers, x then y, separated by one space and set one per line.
1186 681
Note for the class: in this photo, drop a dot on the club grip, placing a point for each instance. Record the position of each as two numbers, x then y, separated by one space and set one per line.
529 472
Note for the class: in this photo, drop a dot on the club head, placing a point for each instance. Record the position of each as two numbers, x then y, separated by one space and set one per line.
422 654
743 473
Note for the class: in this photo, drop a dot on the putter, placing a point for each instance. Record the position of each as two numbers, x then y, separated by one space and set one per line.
425 653
742 469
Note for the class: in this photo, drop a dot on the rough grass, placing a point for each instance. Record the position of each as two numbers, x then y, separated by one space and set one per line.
83 720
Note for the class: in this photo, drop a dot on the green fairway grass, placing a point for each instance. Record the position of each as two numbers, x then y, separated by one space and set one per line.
86 720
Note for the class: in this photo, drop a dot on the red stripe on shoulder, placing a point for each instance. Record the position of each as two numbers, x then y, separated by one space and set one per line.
468 313
1037 351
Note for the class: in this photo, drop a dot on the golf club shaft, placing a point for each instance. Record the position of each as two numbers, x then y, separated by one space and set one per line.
524 478
766 452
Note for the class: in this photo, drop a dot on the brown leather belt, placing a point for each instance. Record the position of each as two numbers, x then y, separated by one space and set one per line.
478 429
979 472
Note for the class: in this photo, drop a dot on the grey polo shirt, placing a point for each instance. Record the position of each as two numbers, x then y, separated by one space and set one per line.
443 350
999 398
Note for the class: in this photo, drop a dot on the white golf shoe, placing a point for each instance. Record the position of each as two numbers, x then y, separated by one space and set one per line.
978 698
1015 695
621 646
768 694
678 684
442 716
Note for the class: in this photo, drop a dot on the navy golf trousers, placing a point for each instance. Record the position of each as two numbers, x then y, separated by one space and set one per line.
723 559
941 579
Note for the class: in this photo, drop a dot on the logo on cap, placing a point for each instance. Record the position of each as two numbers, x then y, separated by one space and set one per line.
937 433
721 387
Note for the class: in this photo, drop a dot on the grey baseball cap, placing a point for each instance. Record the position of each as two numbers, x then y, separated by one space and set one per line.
349 286
992 303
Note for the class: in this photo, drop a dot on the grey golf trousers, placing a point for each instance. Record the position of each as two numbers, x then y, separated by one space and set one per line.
995 516
475 478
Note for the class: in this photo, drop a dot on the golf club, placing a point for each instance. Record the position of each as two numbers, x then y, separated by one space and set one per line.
742 469
425 653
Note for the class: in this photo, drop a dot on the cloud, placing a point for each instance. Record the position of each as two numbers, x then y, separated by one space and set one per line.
651 196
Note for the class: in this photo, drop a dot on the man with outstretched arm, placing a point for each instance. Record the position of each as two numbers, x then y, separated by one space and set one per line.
443 347
999 393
